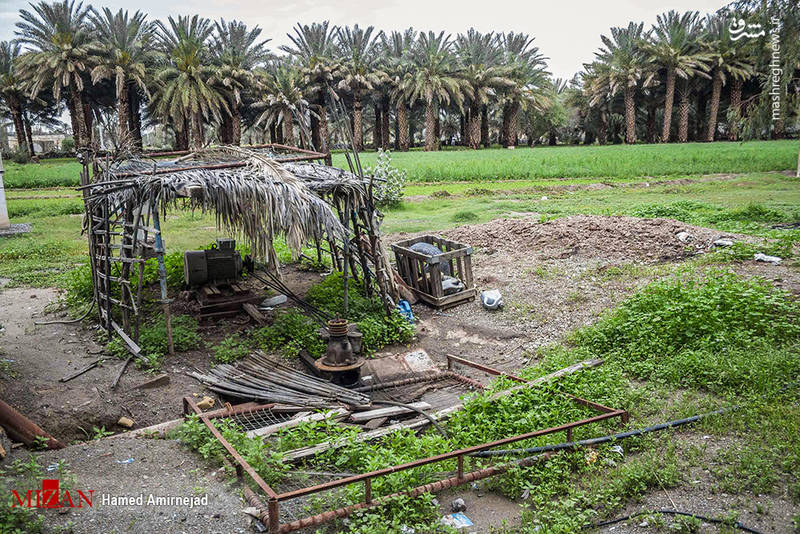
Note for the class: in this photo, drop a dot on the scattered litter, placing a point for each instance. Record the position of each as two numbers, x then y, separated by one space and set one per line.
684 237
271 302
127 422
451 285
251 511
206 403
52 467
618 449
128 461
405 529
458 505
774 260
491 299
544 198
457 520
405 310
723 243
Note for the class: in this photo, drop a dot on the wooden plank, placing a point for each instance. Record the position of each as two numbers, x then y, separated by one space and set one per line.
363 417
305 452
372 424
254 313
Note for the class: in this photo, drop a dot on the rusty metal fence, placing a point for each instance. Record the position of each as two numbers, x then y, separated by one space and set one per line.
288 509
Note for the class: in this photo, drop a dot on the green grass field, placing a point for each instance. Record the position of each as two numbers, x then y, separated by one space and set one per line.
577 163
750 203
600 162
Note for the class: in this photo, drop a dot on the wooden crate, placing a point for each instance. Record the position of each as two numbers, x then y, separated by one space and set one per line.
423 274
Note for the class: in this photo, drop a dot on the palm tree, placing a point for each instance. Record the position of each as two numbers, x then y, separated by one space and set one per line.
675 49
127 53
12 91
61 53
434 80
186 94
314 48
527 70
397 65
628 66
282 84
237 51
359 73
596 84
727 60
483 71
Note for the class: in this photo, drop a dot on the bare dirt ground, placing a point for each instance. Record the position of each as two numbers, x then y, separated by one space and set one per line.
554 277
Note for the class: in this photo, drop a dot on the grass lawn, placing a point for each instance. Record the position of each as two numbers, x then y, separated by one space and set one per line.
573 163
749 204
606 162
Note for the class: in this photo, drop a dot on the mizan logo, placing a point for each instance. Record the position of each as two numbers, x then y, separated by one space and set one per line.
50 497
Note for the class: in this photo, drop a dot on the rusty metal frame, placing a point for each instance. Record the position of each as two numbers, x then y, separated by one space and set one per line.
270 515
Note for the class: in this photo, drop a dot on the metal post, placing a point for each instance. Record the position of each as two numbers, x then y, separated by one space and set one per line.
274 517
368 490
162 276
461 467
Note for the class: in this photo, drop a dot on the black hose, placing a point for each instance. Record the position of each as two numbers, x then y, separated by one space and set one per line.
427 416
604 439
68 321
738 524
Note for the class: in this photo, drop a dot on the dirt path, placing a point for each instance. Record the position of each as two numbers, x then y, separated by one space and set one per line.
41 355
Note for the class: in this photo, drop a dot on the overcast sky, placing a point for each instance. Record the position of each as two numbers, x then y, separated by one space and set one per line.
567 32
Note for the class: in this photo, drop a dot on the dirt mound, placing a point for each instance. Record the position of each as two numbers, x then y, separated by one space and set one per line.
610 238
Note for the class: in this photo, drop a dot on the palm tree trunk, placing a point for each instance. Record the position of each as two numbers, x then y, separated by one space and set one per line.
513 118
430 124
668 100
19 127
504 128
82 138
123 108
683 113
288 127
73 118
28 134
377 134
651 122
198 133
716 92
236 125
315 127
402 127
736 108
630 116
485 126
385 124
358 120
602 136
474 128
88 118
135 118
324 135
464 126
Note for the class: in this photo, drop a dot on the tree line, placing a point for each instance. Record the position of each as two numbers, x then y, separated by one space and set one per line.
687 78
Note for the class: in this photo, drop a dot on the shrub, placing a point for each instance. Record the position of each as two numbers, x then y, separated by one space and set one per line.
68 145
367 312
464 216
478 192
290 333
230 349
389 181
153 339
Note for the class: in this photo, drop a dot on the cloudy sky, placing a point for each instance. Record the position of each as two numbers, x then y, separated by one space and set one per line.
566 31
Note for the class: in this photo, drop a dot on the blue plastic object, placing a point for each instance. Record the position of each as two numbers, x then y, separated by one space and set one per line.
405 310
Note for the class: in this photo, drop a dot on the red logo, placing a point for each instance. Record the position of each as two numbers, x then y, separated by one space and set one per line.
50 497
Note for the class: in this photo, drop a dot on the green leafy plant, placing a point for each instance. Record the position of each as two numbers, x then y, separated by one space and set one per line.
390 181
153 339
230 349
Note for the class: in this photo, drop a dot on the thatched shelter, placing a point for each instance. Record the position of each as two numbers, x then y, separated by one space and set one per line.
257 194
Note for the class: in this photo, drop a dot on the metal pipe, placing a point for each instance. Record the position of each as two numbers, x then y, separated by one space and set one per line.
22 429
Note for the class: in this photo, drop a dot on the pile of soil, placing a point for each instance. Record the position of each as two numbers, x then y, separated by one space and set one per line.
611 238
